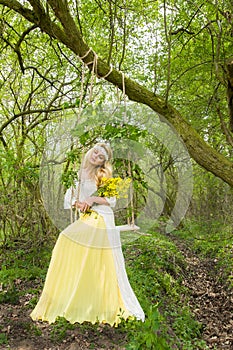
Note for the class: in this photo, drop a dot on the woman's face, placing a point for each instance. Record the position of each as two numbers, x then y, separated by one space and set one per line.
96 157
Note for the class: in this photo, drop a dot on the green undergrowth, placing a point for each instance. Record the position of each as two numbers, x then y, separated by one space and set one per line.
155 269
19 266
211 239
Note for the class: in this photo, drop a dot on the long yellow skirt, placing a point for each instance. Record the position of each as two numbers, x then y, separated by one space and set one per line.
81 282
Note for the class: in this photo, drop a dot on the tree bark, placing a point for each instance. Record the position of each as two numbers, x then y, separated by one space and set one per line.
70 36
229 66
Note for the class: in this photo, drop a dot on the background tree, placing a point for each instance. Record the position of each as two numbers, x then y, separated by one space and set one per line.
196 33
174 57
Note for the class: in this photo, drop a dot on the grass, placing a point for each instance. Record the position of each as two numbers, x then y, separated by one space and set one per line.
211 239
155 268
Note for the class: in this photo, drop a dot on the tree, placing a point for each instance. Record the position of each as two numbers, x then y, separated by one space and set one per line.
190 27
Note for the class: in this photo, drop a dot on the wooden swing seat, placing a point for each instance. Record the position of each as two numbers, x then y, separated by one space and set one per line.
128 227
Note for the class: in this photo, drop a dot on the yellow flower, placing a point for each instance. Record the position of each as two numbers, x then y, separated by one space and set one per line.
114 187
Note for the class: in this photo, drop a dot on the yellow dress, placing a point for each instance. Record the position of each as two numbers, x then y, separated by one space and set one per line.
86 279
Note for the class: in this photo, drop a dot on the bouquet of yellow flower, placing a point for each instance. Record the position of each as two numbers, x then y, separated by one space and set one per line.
113 187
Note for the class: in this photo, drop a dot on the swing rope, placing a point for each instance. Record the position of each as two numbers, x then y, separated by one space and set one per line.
93 74
78 116
131 226
95 64
130 223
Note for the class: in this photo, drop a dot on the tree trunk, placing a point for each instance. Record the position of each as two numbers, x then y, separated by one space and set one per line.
70 36
229 66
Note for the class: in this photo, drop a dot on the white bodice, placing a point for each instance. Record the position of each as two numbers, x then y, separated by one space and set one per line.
87 188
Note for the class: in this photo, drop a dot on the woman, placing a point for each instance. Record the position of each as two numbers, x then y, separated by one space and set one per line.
86 279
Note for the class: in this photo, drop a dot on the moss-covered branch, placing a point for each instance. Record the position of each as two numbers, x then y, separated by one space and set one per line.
66 31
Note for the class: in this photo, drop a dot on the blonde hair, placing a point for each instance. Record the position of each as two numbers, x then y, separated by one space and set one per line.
104 170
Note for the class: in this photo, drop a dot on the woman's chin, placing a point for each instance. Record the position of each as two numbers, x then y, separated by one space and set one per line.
92 162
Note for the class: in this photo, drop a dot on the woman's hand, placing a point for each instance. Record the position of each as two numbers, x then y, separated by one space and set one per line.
85 205
80 206
89 201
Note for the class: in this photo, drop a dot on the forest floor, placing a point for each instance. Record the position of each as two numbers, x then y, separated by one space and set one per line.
210 300
23 334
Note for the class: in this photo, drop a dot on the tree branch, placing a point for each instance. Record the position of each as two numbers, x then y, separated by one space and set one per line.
17 46
34 111
69 35
229 67
181 30
224 128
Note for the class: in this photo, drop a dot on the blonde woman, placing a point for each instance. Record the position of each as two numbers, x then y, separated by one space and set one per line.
86 279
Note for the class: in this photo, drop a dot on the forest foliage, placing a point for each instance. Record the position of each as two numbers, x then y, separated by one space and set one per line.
173 57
